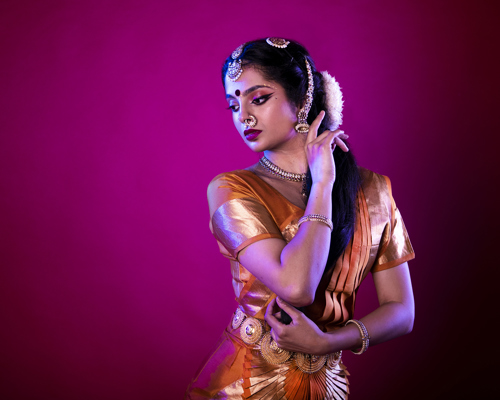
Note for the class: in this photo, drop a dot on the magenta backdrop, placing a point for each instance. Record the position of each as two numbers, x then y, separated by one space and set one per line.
112 125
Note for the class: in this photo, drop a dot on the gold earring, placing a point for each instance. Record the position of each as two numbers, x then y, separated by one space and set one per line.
303 126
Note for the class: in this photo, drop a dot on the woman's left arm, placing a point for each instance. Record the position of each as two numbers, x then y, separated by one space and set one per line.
393 318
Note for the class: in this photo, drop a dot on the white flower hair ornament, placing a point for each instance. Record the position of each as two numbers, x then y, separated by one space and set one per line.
334 102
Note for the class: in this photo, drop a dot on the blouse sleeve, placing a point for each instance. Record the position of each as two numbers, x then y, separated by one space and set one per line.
238 217
395 247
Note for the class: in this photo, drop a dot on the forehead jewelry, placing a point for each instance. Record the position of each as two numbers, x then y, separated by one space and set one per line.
277 42
234 70
250 122
303 126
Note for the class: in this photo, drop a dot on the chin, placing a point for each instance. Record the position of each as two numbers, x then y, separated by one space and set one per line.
256 147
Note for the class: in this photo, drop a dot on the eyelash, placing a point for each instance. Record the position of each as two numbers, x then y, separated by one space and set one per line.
264 99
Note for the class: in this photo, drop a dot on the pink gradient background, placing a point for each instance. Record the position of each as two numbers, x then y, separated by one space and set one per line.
112 125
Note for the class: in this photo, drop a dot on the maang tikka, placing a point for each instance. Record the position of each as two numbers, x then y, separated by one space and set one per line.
302 125
235 69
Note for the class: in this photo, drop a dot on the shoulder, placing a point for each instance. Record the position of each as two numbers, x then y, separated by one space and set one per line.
234 180
377 191
232 185
229 176
372 180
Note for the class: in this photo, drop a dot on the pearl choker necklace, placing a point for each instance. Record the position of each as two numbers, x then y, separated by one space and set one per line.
285 175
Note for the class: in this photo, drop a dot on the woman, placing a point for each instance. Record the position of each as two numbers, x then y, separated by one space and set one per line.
301 229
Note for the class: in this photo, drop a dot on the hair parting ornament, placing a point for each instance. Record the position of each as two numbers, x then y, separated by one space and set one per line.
277 42
235 69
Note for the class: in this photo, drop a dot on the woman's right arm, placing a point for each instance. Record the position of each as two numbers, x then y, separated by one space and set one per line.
293 271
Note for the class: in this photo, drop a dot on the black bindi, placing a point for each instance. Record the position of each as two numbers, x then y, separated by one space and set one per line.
237 93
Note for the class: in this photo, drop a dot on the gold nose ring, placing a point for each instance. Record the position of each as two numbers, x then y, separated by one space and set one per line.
250 122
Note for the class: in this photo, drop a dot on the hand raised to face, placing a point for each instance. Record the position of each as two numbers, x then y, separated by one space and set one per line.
319 151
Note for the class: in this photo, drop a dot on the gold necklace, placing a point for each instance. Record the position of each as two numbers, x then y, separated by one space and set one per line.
285 175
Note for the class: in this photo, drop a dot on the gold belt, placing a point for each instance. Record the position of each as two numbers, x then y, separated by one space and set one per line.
253 332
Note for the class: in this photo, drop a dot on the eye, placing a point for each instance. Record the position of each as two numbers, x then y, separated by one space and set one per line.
233 107
261 99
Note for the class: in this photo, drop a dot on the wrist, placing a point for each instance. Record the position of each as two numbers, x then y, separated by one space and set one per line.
322 185
344 338
327 344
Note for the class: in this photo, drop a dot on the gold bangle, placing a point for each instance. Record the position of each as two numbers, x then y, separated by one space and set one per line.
364 335
316 217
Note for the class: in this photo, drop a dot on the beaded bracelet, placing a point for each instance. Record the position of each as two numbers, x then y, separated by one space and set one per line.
316 217
364 335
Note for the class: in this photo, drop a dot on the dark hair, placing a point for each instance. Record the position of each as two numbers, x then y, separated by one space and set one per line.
287 68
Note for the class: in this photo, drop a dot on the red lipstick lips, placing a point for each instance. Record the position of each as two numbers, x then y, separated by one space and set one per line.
251 134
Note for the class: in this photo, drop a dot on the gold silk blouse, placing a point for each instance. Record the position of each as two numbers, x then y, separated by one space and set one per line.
245 209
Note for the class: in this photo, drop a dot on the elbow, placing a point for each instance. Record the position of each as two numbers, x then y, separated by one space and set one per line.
411 320
401 317
407 325
299 297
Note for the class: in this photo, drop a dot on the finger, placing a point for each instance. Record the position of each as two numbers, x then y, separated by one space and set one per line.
324 139
339 142
273 335
336 132
327 141
313 129
326 135
270 308
290 310
269 317
336 135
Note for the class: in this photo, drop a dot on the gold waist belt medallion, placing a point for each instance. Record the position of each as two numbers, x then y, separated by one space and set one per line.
252 332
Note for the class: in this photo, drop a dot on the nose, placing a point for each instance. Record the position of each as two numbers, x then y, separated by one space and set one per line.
246 119
244 116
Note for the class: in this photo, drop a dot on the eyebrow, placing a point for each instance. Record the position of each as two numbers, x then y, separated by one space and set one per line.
250 89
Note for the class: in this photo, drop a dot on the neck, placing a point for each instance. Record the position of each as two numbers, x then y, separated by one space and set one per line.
291 161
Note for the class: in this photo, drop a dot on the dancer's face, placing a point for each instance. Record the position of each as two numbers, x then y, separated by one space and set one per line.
253 95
